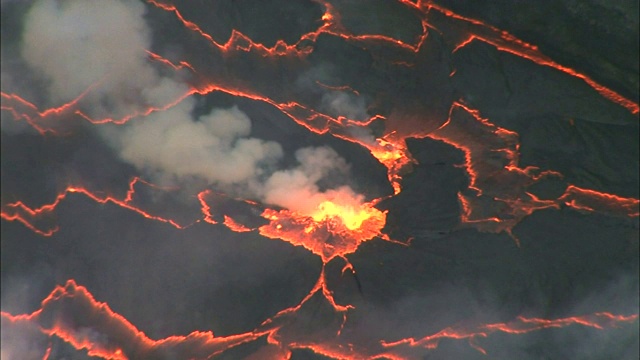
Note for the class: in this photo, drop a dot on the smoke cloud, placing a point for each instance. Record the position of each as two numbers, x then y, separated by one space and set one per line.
102 46
298 188
214 148
97 45
173 148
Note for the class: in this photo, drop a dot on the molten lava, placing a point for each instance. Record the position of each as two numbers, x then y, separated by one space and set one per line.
496 198
71 313
345 215
332 230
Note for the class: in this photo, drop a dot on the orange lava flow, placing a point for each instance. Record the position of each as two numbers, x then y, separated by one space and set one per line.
19 211
182 64
591 200
497 198
338 88
237 40
234 225
205 208
331 24
506 42
23 109
72 314
333 230
42 121
395 157
47 353
520 325
491 158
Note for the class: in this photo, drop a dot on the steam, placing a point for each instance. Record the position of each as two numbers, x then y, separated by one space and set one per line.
344 104
77 45
298 189
214 148
97 45
173 148
338 102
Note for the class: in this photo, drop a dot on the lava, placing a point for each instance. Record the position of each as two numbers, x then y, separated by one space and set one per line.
72 314
520 325
496 199
237 40
206 210
23 109
591 200
47 353
393 155
333 230
234 225
48 120
491 157
19 211
352 218
182 64
506 42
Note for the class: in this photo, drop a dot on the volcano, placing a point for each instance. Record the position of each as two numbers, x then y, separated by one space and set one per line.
319 179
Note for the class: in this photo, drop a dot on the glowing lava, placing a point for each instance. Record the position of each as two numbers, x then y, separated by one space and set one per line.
496 199
72 314
332 230
520 325
348 216
19 211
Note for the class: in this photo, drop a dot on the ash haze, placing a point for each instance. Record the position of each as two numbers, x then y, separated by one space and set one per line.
319 179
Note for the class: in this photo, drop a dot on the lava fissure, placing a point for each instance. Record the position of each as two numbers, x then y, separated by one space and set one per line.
19 211
496 198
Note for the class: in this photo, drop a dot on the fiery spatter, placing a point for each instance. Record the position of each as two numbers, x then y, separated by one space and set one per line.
333 230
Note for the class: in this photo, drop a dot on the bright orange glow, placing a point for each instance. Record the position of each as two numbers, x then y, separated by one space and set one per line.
19 211
182 64
351 217
235 226
591 200
336 227
394 155
506 42
67 305
47 353
332 231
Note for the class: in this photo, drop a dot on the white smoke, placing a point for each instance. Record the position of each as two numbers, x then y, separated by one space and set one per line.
298 189
214 148
174 148
76 45
103 44
334 102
